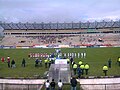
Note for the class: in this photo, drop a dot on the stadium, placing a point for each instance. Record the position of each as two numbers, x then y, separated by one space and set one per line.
59 45
99 40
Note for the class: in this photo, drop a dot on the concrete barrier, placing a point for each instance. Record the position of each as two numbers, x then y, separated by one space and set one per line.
100 84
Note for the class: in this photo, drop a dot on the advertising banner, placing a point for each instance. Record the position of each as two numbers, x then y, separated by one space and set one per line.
61 61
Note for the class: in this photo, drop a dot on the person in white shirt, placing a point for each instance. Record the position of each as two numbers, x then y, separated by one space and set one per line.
78 55
60 85
47 85
40 62
82 54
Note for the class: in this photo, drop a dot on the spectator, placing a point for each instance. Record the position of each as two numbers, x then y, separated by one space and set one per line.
52 55
8 61
40 62
79 71
49 62
52 84
47 85
29 56
13 64
36 62
118 61
52 61
109 63
2 59
73 82
84 54
60 85
68 60
23 62
71 60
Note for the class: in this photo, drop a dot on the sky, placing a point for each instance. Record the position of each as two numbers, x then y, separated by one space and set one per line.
58 10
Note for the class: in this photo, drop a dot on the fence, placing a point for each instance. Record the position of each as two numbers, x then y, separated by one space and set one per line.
111 86
13 86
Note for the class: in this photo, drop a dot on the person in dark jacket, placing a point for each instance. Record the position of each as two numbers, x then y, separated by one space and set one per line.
13 64
73 82
79 71
71 60
23 62
36 62
52 84
8 61
109 63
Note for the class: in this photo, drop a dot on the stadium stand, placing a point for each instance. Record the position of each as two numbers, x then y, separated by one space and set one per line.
81 34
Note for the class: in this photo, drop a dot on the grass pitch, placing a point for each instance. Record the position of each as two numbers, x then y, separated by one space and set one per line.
96 58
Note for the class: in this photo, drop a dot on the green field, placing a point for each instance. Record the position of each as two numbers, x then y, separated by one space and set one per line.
96 58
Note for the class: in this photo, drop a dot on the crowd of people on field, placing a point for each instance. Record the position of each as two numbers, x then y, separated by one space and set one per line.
52 85
106 67
12 63
78 69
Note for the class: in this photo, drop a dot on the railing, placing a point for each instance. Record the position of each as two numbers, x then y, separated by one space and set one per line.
111 86
14 86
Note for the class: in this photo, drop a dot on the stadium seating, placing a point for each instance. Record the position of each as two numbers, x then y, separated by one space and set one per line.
81 40
81 33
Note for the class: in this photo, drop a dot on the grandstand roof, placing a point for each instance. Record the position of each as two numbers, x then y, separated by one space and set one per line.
55 26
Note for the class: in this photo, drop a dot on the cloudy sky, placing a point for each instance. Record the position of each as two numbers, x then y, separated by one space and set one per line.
58 10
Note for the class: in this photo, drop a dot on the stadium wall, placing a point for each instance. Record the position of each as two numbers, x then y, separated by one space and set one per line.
59 46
